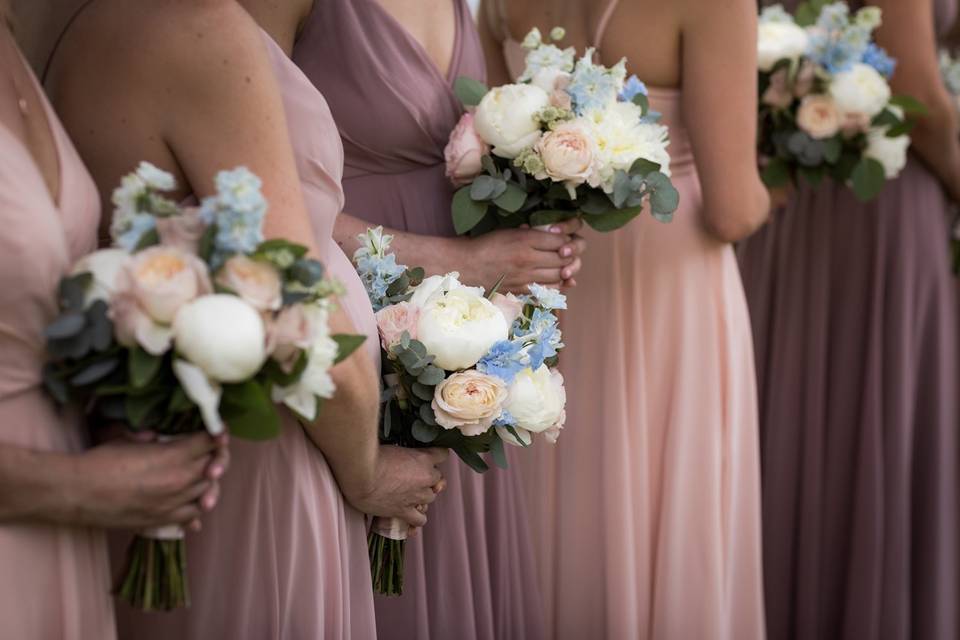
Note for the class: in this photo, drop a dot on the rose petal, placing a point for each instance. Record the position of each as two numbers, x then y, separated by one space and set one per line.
203 392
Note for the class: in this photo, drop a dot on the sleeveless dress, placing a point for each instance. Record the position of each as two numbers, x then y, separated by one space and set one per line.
855 320
648 515
55 581
283 556
470 574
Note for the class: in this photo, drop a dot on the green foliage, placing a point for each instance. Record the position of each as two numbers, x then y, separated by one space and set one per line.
776 173
469 91
249 412
867 179
346 345
910 105
467 213
143 367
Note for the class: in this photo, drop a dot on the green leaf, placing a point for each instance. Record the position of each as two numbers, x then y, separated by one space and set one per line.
512 199
149 239
596 203
885 118
140 408
55 385
179 402
416 275
307 271
466 213
421 391
642 167
143 367
486 188
423 432
205 247
72 291
832 149
909 105
545 217
471 459
776 173
95 372
613 220
643 102
427 415
664 198
69 325
387 419
101 327
867 179
498 454
901 129
431 376
806 15
248 411
346 345
469 91
279 244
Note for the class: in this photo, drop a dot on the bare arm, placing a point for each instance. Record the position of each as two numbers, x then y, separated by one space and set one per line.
908 34
719 103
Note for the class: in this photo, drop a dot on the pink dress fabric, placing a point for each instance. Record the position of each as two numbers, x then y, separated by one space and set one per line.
471 574
55 580
647 512
284 557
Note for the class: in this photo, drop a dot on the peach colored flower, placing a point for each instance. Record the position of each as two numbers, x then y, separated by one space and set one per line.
819 117
568 153
394 320
182 231
510 305
469 401
257 282
464 151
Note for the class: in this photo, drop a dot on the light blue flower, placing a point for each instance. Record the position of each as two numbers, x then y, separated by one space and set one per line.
631 88
239 190
548 298
506 419
129 230
504 360
835 54
834 16
877 58
592 86
378 273
238 232
547 57
542 337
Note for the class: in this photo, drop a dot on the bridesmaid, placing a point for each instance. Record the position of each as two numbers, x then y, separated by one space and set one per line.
56 497
854 311
662 415
198 89
387 68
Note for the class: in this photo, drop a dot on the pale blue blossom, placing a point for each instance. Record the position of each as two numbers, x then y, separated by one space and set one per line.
548 298
128 229
504 360
632 88
834 16
877 58
237 210
506 419
239 190
547 57
541 337
377 274
593 86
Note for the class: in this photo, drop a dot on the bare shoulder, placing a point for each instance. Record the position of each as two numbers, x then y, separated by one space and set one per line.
717 13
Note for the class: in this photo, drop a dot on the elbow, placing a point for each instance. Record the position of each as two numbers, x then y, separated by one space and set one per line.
739 218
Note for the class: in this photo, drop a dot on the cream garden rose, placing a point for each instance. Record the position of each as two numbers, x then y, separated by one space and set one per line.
257 282
315 381
459 327
506 118
469 401
779 41
222 335
568 154
860 90
288 335
819 117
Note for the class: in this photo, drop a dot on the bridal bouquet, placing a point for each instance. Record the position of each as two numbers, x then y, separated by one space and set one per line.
463 369
825 102
191 321
570 138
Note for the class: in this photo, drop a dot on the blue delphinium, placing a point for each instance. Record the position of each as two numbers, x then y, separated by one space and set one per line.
834 16
542 337
592 86
877 58
504 360
377 273
834 52
129 230
631 88
548 298
506 419
238 208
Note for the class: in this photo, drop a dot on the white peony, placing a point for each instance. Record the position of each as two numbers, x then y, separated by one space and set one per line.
537 399
778 41
860 90
437 284
459 327
222 335
548 79
506 118
621 138
890 152
103 265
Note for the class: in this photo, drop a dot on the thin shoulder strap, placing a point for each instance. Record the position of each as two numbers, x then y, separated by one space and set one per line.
56 44
604 22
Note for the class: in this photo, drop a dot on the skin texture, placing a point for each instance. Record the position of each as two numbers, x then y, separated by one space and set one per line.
908 35
675 44
188 86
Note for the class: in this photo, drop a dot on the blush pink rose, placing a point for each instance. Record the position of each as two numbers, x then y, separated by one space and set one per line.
464 152
183 231
469 401
510 305
819 117
568 153
778 95
394 320
257 282
288 335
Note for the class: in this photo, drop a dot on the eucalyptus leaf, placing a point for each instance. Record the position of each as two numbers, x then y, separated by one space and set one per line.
346 345
512 199
95 372
427 415
55 385
867 179
307 271
664 198
423 432
423 392
596 203
431 376
466 212
832 148
73 291
387 420
100 326
486 188
642 166
469 91
69 325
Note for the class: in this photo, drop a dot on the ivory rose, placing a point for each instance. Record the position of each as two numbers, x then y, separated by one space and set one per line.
469 401
778 41
222 335
537 399
890 152
394 320
819 117
568 153
464 152
256 282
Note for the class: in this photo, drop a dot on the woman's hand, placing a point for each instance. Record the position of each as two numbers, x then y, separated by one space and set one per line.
405 479
124 484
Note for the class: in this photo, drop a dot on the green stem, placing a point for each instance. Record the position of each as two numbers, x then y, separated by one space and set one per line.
386 564
155 575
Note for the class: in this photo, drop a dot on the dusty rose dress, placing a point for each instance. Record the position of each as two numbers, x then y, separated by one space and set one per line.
471 574
54 580
854 312
648 509
283 556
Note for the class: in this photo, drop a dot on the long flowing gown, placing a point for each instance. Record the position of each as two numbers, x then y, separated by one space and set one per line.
648 513
55 580
470 575
284 556
855 319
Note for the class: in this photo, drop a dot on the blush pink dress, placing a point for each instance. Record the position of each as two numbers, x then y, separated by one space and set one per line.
54 580
284 556
647 511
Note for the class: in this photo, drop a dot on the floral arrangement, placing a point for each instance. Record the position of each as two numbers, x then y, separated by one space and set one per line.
826 107
463 369
569 138
950 68
191 321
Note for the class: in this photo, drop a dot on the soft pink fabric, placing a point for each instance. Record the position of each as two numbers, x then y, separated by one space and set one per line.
55 580
284 556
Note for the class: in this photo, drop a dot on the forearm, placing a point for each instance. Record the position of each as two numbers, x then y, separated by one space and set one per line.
35 485
437 255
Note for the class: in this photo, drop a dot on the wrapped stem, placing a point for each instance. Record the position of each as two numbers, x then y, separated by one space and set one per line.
155 573
386 543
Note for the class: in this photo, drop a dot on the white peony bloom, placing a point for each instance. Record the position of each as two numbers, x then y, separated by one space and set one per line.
222 335
621 139
459 327
537 399
506 118
860 90
548 79
437 284
890 152
778 41
103 265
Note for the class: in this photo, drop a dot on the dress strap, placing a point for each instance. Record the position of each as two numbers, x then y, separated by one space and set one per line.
604 22
56 44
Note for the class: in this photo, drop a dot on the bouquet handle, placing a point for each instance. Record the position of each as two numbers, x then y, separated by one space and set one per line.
386 542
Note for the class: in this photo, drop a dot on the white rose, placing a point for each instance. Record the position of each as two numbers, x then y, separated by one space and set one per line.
103 265
778 41
860 90
505 118
222 335
890 152
459 327
537 399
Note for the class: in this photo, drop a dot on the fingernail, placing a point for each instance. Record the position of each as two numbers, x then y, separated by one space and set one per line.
565 252
554 229
208 503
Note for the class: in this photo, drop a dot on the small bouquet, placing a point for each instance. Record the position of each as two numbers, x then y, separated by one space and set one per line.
825 102
192 321
570 138
464 370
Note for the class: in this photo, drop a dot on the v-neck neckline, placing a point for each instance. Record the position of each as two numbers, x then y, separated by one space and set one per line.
418 46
